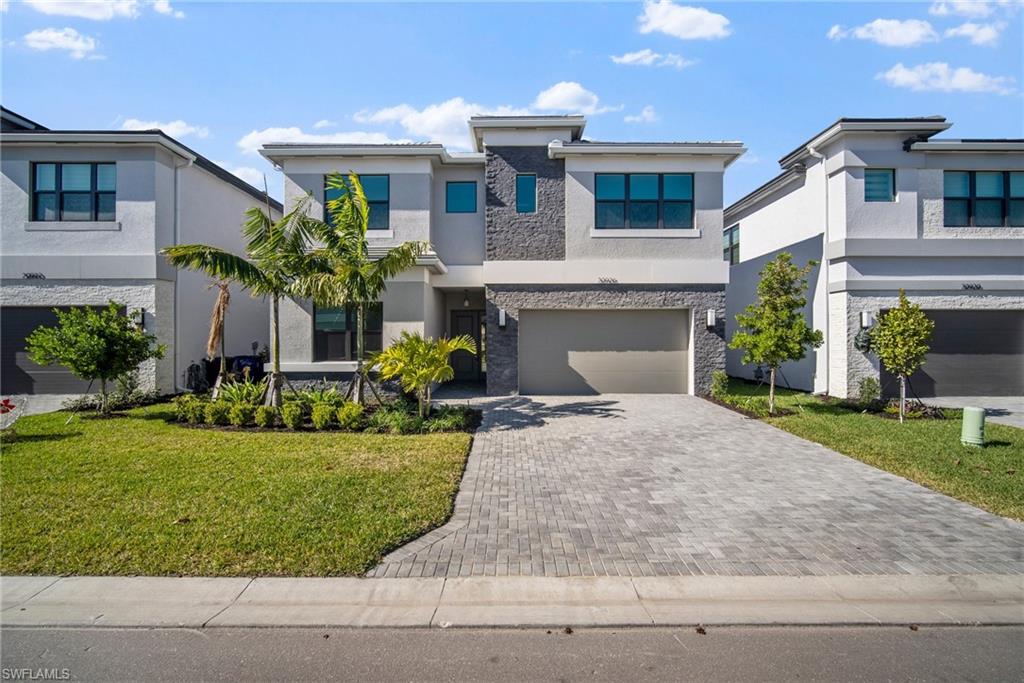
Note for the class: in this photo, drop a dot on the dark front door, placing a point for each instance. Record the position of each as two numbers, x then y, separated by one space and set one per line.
466 365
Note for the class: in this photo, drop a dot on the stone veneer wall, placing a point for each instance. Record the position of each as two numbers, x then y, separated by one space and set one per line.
503 345
512 236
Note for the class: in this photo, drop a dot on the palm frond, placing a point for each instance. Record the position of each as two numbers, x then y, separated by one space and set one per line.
218 264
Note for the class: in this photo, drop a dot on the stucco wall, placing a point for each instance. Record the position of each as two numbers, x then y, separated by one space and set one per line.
458 238
512 236
708 346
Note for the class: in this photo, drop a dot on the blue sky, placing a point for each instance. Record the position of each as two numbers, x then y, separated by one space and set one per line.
223 77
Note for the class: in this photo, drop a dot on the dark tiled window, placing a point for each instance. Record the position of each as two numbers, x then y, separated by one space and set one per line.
984 199
731 245
643 201
334 332
526 193
73 192
879 185
377 189
460 197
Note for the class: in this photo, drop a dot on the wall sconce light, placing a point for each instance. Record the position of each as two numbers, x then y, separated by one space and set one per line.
712 318
501 318
139 319
866 320
465 299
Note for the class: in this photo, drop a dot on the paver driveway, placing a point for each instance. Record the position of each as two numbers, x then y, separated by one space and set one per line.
658 485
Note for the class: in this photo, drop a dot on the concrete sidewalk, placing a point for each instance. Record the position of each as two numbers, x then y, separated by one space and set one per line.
509 601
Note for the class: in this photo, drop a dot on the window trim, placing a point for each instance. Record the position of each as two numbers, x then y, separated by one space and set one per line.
350 333
58 192
447 198
733 232
370 203
892 186
972 198
535 195
660 201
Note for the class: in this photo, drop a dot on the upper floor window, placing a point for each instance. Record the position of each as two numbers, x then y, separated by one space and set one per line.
984 199
526 193
377 189
73 192
334 331
731 245
879 185
460 197
643 200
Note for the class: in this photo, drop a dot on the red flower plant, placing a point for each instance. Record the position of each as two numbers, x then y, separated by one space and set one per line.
6 406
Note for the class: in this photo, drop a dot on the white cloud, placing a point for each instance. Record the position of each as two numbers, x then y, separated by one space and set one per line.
647 115
978 34
4 5
939 76
444 122
889 32
164 7
251 142
77 45
570 96
176 128
680 21
648 57
251 175
98 10
324 123
964 8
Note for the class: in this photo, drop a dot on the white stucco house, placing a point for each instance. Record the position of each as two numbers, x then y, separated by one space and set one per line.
84 216
883 204
579 267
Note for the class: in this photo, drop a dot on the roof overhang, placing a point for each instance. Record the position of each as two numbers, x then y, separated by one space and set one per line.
478 124
729 150
276 153
922 127
991 146
149 138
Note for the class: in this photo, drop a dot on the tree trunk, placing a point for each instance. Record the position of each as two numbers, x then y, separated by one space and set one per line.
103 396
771 392
359 353
903 395
222 374
273 395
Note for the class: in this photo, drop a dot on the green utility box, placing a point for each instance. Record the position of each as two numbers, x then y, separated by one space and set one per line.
973 431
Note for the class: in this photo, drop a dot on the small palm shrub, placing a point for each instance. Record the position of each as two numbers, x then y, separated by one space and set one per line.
350 416
320 393
241 414
719 384
241 392
451 419
217 413
293 415
392 420
265 416
323 415
419 363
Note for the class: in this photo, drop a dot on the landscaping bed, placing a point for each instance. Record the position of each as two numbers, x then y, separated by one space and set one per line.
923 449
142 494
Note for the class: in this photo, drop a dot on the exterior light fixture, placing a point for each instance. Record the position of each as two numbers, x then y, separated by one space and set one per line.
139 319
712 318
866 320
465 299
501 318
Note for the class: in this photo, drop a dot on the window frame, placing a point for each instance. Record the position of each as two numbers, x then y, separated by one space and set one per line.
1006 199
732 233
447 197
892 185
661 201
350 333
535 196
58 192
383 206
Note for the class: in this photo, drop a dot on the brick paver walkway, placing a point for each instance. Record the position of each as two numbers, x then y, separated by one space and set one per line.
662 485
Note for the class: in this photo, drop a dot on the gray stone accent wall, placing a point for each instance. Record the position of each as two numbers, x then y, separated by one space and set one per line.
512 236
503 344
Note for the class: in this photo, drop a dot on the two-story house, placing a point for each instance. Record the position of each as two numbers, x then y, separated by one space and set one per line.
84 217
580 267
884 206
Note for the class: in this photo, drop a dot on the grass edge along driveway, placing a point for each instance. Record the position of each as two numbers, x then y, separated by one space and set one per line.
138 495
927 452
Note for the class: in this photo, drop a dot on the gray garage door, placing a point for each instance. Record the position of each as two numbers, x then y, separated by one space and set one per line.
18 374
593 352
973 353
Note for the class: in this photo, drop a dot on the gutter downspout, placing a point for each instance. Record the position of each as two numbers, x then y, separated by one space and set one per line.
177 241
825 268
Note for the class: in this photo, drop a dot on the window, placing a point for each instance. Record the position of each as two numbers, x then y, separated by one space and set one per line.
984 199
643 201
334 336
377 189
460 197
879 185
731 245
73 192
526 193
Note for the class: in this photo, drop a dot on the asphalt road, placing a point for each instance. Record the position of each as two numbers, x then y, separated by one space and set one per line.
762 654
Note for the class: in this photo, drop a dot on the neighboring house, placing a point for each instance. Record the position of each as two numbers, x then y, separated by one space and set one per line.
84 217
883 206
581 267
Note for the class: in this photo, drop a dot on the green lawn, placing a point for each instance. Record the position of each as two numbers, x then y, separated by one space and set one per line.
138 495
926 451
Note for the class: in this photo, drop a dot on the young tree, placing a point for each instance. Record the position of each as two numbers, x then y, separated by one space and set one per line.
900 340
94 344
774 329
275 256
419 363
342 271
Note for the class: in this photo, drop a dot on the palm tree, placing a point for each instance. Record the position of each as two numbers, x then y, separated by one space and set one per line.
276 254
420 363
216 339
342 273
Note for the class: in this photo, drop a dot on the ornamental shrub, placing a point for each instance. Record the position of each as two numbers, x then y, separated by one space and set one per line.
322 415
719 383
241 414
266 416
293 415
217 413
350 416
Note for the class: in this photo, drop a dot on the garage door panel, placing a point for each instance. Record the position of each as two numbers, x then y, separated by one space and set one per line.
18 374
589 352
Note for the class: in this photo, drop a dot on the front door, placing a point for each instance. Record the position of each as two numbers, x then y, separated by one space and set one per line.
466 365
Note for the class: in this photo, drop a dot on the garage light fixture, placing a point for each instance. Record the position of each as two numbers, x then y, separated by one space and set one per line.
139 319
501 318
866 320
712 318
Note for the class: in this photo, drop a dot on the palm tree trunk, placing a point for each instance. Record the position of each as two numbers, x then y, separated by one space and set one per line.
222 374
359 353
273 396
771 391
